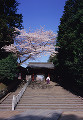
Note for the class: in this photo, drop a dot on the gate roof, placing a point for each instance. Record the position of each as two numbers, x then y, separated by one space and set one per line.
48 65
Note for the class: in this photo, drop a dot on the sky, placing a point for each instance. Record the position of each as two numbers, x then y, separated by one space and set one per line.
38 13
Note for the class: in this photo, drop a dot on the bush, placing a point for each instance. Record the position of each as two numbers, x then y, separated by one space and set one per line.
8 68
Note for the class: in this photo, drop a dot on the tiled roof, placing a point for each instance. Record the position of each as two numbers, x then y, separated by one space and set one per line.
49 65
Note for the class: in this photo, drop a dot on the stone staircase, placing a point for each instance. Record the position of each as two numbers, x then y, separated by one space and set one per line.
52 96
6 102
40 95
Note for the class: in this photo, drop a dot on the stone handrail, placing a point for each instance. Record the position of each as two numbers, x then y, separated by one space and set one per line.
16 99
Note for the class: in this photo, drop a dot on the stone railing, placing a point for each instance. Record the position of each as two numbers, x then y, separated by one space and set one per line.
16 99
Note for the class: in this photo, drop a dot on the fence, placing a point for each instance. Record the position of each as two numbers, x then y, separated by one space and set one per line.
16 99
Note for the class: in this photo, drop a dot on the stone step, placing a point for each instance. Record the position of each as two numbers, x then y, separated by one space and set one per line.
58 103
49 93
49 107
57 109
50 96
45 98
51 100
43 93
7 102
47 101
8 99
54 100
51 104
37 99
5 107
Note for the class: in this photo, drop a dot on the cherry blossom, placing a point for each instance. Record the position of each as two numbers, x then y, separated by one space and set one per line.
33 44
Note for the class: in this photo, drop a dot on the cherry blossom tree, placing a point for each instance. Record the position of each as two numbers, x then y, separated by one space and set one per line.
33 44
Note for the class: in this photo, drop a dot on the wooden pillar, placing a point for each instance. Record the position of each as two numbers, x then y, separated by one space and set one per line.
33 77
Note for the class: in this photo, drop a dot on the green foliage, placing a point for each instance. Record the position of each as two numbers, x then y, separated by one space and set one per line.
8 20
53 59
8 67
70 41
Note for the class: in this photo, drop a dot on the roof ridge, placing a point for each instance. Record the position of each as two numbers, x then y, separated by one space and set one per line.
41 62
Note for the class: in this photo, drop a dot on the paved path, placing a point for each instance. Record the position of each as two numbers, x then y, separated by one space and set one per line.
74 115
41 114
